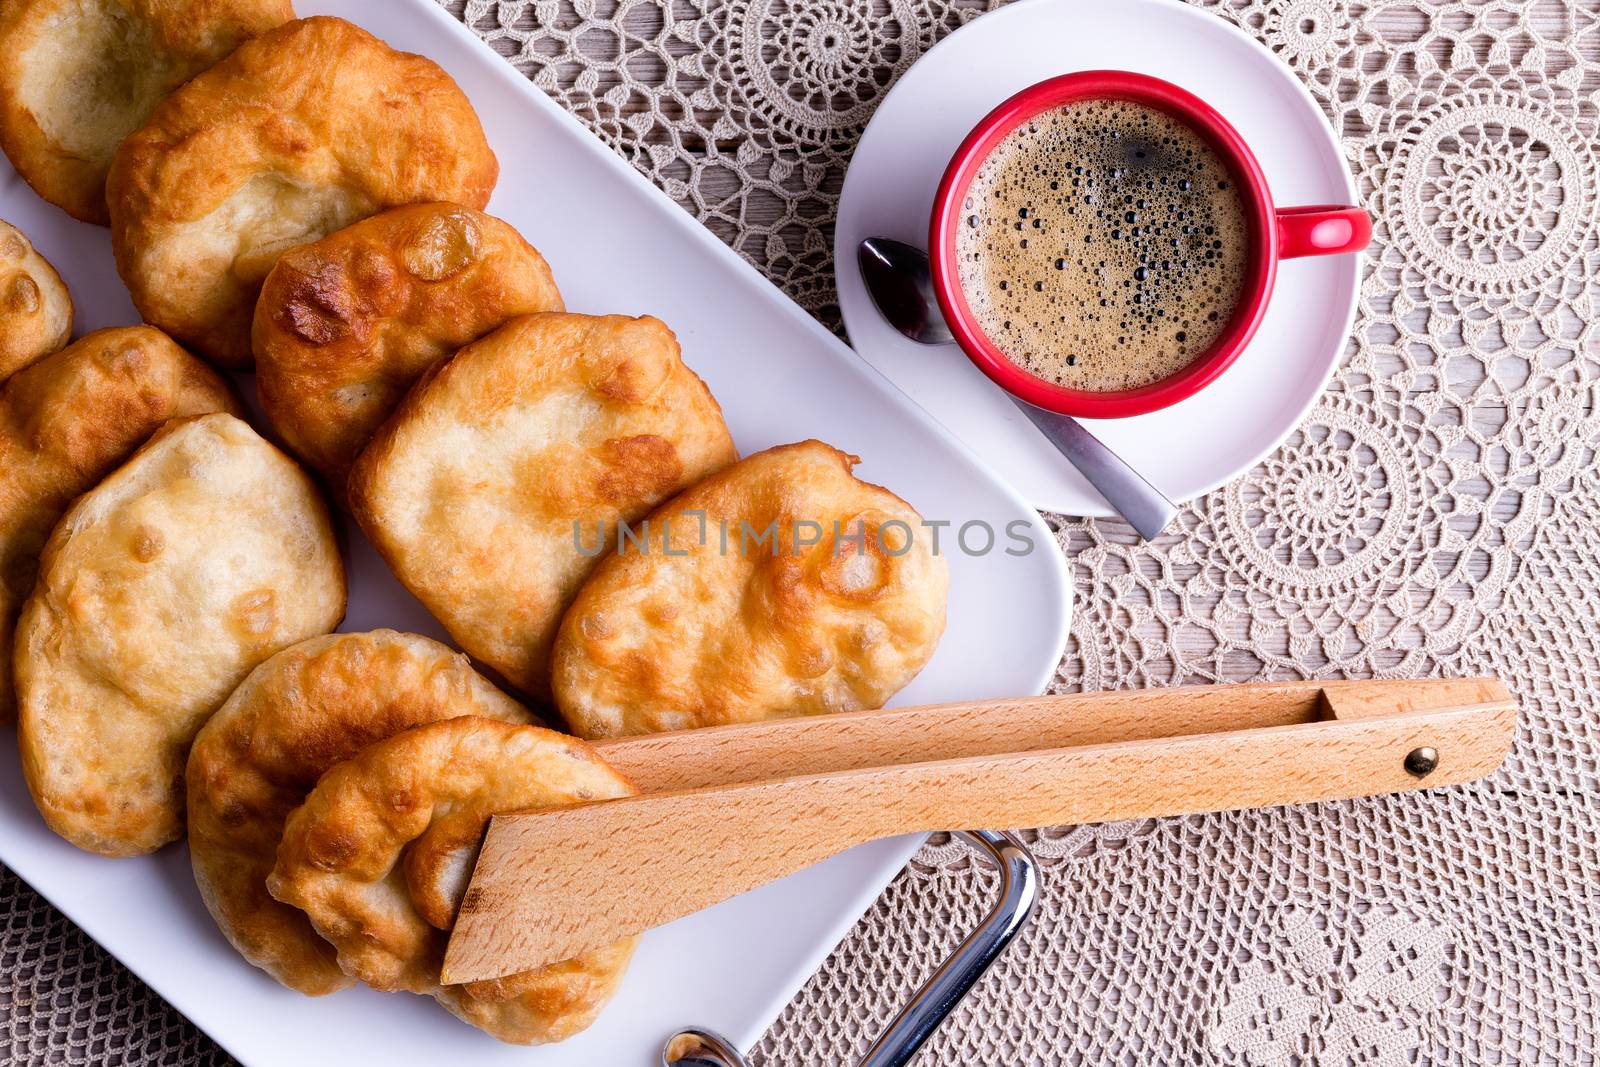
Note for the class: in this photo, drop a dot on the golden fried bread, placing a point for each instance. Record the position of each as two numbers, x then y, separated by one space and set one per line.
35 309
77 76
300 132
65 423
828 597
475 490
345 325
380 854
307 708
159 590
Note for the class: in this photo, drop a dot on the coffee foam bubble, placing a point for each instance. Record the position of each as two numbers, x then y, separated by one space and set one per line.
1102 245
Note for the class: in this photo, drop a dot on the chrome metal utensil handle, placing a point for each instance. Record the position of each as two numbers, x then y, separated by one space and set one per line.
938 997
1146 508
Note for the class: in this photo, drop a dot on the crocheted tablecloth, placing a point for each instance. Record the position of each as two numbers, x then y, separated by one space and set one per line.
1438 512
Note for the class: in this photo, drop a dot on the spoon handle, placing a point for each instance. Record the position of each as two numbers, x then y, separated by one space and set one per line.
1125 489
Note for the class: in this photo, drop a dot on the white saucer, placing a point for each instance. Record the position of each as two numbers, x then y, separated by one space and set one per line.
1192 447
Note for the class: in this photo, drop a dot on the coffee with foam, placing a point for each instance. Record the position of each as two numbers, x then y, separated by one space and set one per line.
1102 245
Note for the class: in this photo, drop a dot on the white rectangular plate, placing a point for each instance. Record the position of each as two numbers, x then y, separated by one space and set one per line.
616 245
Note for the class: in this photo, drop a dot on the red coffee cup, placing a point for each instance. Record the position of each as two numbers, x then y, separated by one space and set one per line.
1275 233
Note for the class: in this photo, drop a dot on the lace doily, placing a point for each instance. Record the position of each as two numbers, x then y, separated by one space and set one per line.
1438 512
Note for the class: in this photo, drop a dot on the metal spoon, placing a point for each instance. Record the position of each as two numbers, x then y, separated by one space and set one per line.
897 277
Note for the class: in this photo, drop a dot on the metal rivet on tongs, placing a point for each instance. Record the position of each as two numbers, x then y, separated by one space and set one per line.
1421 762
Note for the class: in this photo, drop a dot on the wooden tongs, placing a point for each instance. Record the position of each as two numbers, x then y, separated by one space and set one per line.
725 809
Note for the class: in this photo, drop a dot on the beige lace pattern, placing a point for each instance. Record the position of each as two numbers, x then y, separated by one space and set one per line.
1438 512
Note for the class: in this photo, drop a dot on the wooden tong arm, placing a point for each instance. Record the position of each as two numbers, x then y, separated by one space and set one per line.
788 748
550 884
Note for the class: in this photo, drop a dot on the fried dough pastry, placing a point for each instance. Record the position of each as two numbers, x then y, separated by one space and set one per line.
346 325
827 597
159 590
77 76
478 487
380 854
35 308
307 708
300 132
65 423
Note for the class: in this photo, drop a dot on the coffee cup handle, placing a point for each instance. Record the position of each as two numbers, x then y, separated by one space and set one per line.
1322 230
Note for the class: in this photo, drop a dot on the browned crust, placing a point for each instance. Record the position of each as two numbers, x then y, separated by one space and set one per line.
35 307
491 554
65 423
190 34
306 709
375 855
159 590
318 105
346 325
703 635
